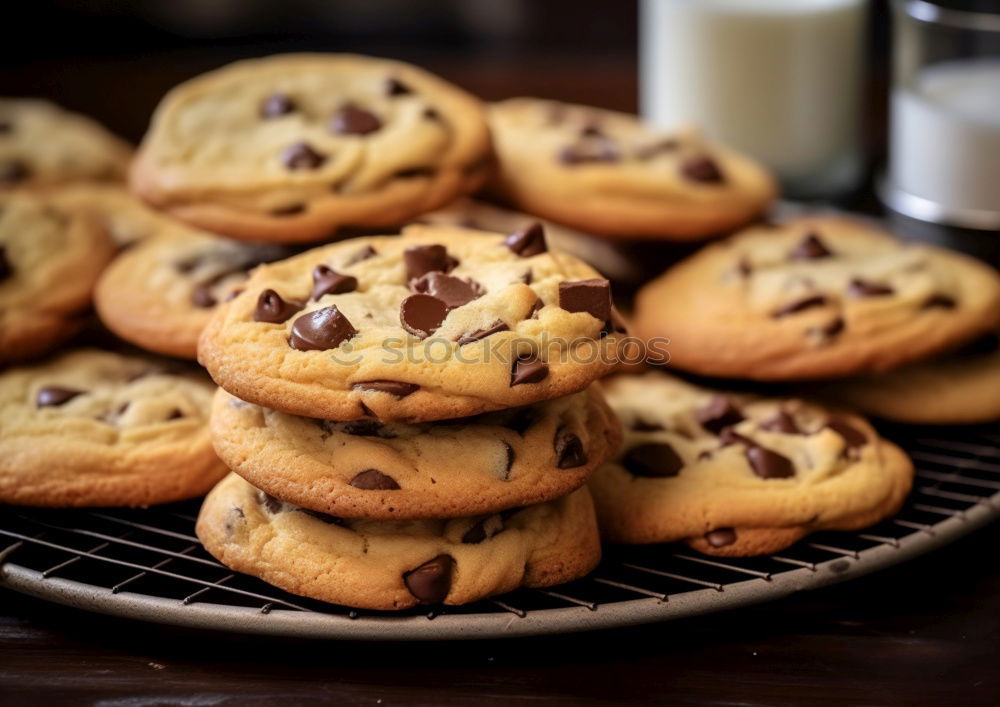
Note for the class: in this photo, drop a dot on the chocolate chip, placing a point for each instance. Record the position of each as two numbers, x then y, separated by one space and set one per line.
276 105
830 330
702 168
363 254
269 502
478 334
120 410
358 428
569 449
718 414
454 292
940 301
593 148
656 459
640 425
55 396
422 259
395 87
648 152
175 414
527 277
273 309
301 156
202 296
290 210
476 534
5 269
431 114
744 268
863 288
535 308
528 368
351 120
528 241
325 517
421 315
511 455
591 296
799 306
781 421
330 282
374 480
728 436
768 464
853 437
323 329
430 582
13 171
810 248
720 537
397 388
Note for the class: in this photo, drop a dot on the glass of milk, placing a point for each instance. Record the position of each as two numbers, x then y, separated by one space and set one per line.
944 164
777 79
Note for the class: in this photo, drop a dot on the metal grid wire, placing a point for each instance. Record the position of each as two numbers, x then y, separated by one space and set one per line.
154 552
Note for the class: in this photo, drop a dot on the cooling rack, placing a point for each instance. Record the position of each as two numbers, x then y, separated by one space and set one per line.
147 564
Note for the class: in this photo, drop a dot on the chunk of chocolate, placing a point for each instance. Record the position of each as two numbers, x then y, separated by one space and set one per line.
430 582
940 301
422 259
374 480
528 368
799 306
830 330
397 388
325 517
720 537
655 459
527 242
53 395
782 422
323 329
853 437
810 248
511 455
864 288
14 171
276 105
302 156
352 120
569 449
591 296
327 281
702 168
175 414
453 291
201 296
476 534
395 87
273 309
718 414
270 503
421 315
478 334
768 464
5 268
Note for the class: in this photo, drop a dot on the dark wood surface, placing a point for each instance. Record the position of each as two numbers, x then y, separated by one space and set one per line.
926 632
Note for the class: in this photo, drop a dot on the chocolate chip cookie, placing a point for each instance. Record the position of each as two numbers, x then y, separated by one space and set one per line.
737 474
41 144
436 323
293 147
609 173
94 428
462 467
50 258
815 298
398 564
161 293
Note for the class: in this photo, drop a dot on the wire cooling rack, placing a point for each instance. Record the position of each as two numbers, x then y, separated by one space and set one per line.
147 564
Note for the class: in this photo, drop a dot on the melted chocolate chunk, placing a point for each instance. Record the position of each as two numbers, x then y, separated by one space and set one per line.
510 459
14 171
728 436
656 459
781 421
270 503
799 306
569 449
528 368
431 114
476 534
351 120
718 414
53 396
720 537
301 156
422 259
430 582
325 517
454 292
276 105
528 241
768 464
273 309
359 428
202 296
330 282
853 437
810 248
535 308
5 269
591 296
863 288
395 87
478 334
940 301
323 329
397 388
702 168
374 480
363 254
421 315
